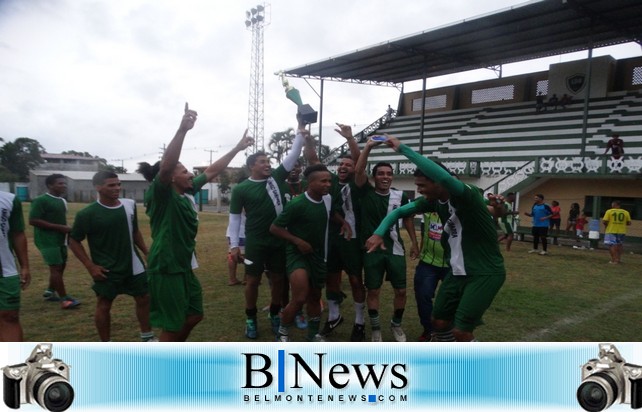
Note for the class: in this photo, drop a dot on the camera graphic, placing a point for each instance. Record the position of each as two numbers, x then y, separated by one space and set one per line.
608 380
41 379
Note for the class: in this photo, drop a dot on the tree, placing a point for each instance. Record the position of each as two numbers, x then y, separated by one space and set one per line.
20 156
280 144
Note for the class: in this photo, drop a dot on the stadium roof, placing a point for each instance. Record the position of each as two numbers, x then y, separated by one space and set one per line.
539 28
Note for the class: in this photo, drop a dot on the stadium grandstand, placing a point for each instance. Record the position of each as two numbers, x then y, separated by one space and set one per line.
491 133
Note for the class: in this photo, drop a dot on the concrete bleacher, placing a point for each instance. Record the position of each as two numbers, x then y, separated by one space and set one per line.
518 132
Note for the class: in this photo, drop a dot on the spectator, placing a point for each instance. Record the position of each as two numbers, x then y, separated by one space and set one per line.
539 103
553 101
615 220
540 212
573 214
555 220
565 100
616 145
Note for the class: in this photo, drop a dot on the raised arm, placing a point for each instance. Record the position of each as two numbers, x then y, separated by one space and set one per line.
431 169
173 149
360 176
217 167
346 131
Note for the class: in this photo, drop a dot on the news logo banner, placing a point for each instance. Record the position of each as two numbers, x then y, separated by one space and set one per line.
275 376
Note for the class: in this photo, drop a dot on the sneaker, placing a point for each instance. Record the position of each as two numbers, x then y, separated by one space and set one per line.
51 296
152 339
330 326
282 338
533 251
300 321
250 329
69 303
318 338
276 323
543 252
397 332
358 333
376 336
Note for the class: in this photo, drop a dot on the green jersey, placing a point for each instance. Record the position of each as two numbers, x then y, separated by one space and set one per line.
307 219
374 207
174 222
470 236
52 209
11 221
347 198
262 201
110 234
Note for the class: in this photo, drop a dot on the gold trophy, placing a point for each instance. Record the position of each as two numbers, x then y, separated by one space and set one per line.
305 111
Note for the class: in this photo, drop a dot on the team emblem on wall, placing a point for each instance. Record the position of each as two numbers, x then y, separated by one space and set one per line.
576 82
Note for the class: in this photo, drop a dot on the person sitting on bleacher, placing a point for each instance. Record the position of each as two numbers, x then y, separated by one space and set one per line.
565 100
553 101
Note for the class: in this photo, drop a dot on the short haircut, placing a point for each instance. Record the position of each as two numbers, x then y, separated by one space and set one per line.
510 194
51 179
616 202
100 177
251 159
313 169
381 164
541 196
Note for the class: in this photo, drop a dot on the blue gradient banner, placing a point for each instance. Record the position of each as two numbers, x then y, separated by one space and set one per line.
274 376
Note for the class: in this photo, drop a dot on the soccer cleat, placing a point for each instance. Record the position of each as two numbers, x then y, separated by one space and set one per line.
276 323
330 326
282 338
358 333
533 251
300 321
250 329
543 252
51 296
397 332
69 303
152 339
376 336
318 338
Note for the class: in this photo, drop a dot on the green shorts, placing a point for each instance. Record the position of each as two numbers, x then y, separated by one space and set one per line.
173 298
117 284
345 255
378 264
54 255
313 265
507 228
464 299
264 256
10 293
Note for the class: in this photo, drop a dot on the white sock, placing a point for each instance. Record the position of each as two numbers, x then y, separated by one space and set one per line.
333 310
358 313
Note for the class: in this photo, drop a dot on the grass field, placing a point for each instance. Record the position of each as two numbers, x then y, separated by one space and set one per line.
569 295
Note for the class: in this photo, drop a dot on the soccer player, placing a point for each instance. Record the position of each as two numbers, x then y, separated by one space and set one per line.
176 294
376 202
48 216
471 244
110 226
345 254
12 281
262 197
615 221
304 225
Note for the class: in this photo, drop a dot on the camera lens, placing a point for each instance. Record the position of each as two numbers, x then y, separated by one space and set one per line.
53 392
597 392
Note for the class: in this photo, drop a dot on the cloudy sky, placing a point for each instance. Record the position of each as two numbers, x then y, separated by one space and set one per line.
110 77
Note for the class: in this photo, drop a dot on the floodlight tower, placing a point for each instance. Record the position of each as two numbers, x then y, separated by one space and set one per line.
255 21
